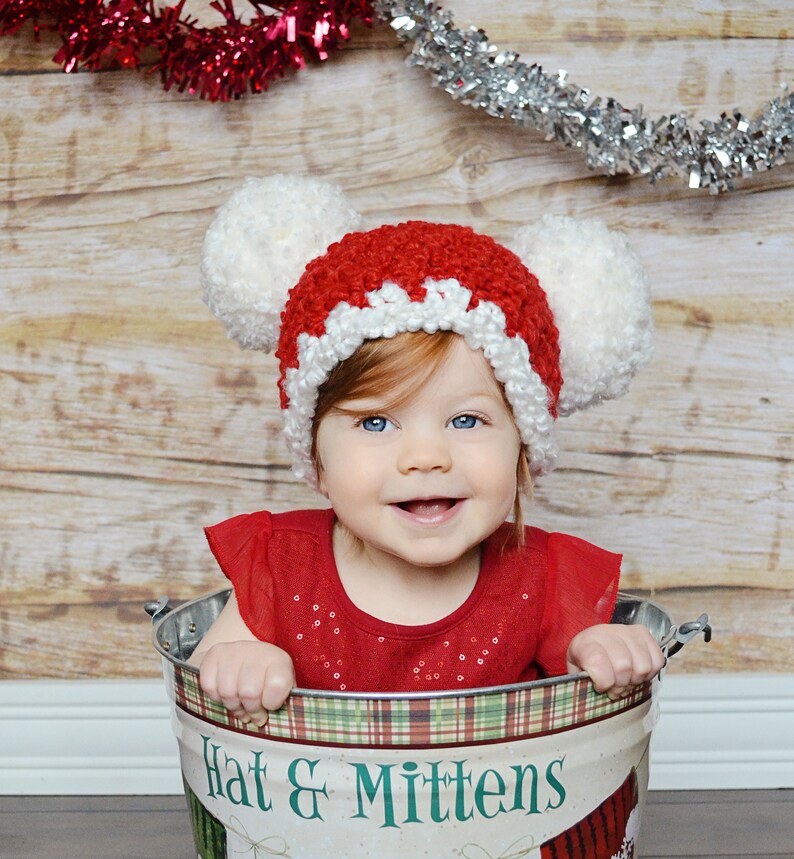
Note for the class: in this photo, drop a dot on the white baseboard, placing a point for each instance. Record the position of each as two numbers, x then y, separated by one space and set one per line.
114 737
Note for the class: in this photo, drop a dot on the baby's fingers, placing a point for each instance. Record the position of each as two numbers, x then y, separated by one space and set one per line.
601 665
208 676
616 657
229 692
635 658
264 681
251 704
279 681
248 677
647 659
220 679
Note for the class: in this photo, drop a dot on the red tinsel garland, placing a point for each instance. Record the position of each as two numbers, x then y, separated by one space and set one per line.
215 63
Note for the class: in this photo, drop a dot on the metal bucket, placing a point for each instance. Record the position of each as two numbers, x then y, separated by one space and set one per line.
543 769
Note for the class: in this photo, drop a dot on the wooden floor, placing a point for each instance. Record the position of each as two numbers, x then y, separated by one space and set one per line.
676 825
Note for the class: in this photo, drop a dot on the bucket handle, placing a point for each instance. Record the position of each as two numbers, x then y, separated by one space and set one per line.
158 608
686 632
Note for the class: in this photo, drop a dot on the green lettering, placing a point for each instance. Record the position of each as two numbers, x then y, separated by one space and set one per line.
410 775
555 784
259 772
461 780
213 772
436 780
481 791
518 802
239 780
294 797
370 788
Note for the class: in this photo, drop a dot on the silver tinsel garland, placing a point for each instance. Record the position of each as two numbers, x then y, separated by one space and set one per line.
612 137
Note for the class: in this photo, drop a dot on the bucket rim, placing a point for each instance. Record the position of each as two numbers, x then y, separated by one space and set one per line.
480 691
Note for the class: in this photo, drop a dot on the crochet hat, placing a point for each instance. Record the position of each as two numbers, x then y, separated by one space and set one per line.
564 318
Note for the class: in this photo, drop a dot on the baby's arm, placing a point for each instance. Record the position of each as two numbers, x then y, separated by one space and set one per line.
616 656
248 676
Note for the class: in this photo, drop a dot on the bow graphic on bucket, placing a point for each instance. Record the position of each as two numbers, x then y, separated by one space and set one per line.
270 845
522 847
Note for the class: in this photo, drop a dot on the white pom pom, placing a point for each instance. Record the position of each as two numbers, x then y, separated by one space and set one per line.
597 290
258 245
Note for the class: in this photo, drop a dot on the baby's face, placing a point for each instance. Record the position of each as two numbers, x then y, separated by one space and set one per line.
429 480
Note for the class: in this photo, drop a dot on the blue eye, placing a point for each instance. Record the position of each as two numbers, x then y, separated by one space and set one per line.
376 423
466 421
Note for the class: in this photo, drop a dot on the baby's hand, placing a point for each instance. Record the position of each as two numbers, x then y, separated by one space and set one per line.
616 656
248 677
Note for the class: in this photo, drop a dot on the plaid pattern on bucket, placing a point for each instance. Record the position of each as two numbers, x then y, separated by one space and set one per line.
515 713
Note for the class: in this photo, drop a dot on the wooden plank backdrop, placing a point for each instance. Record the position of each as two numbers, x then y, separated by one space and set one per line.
128 420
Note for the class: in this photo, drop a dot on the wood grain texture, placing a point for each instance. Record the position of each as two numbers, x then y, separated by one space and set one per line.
128 421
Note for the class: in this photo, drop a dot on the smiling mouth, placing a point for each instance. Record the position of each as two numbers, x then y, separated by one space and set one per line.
429 509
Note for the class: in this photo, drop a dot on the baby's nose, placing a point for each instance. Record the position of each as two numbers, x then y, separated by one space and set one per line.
424 452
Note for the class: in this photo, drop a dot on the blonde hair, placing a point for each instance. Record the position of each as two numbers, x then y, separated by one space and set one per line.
399 365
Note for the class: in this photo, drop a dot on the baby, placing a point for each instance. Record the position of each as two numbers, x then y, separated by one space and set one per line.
422 367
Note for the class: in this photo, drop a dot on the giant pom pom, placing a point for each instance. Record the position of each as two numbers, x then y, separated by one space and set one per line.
258 245
597 290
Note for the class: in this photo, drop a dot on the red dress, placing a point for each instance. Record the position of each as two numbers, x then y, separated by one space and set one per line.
528 603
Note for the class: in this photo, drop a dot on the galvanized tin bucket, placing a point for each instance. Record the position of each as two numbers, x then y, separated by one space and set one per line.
543 769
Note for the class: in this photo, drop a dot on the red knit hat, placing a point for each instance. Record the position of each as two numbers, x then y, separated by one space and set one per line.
557 345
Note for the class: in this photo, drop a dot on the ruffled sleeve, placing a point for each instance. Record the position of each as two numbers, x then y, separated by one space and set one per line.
240 546
581 590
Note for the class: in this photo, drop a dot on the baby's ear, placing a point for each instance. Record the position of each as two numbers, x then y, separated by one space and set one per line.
258 245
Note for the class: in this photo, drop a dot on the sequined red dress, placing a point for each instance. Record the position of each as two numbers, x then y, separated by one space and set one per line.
527 605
